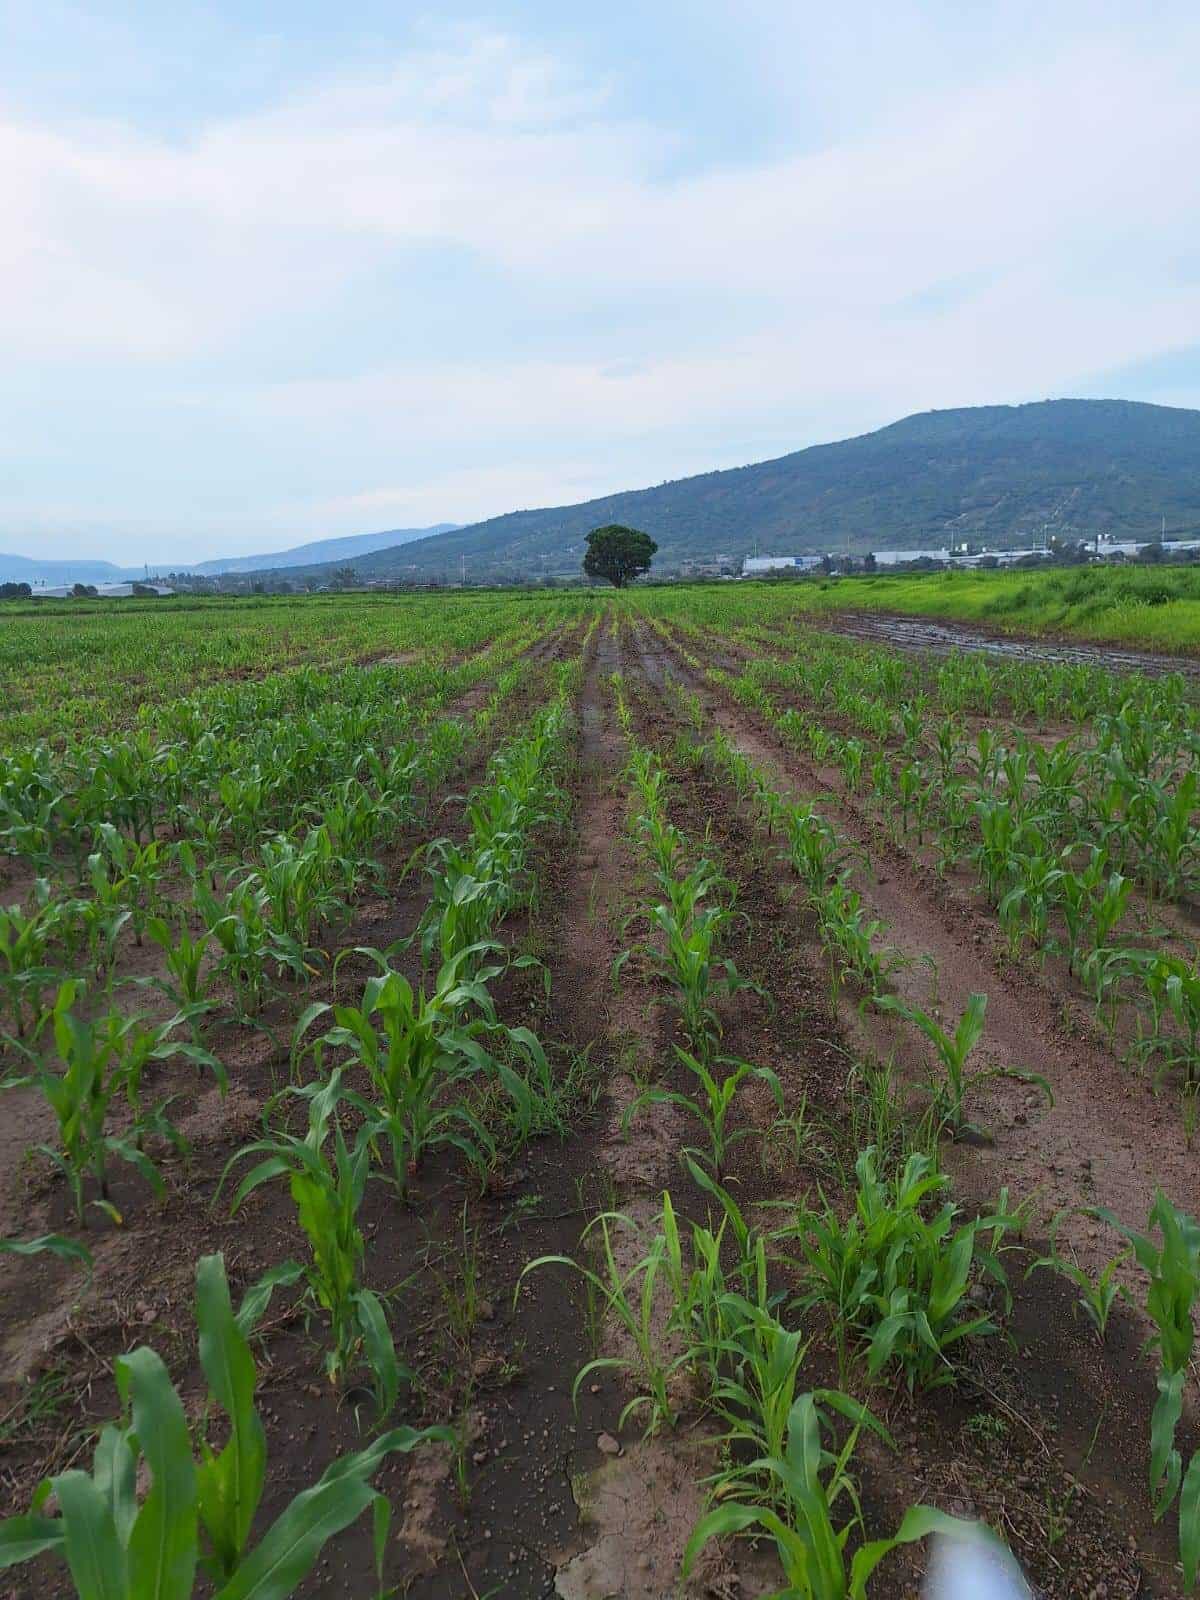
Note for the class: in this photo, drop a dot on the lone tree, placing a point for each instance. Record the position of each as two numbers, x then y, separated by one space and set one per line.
618 554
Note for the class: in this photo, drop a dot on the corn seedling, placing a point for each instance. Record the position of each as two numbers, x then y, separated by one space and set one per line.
711 1105
814 1483
1173 1268
193 1517
328 1194
99 1061
952 1051
894 1279
630 1295
1098 1295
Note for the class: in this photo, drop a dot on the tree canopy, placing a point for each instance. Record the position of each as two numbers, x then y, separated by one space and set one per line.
618 553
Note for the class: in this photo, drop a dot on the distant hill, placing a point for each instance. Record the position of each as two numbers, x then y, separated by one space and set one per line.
1000 473
321 551
28 569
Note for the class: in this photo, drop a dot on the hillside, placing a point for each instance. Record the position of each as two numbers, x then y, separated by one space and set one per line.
350 548
995 473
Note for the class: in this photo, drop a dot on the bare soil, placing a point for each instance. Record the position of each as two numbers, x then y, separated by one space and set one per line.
1046 1435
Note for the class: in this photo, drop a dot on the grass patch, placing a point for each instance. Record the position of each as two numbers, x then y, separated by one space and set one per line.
1153 607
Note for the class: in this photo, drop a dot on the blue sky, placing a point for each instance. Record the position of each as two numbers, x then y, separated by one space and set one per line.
271 272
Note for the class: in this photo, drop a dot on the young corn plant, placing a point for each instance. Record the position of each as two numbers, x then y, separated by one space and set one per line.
190 981
952 1051
754 1390
850 936
191 1522
1173 987
415 1049
1092 900
328 1193
1173 1268
895 1281
26 970
1098 1295
1026 909
299 881
99 1061
128 874
250 948
711 1104
814 1484
1171 843
630 1296
685 955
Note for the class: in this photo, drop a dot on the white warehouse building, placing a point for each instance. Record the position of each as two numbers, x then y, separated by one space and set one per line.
755 566
896 558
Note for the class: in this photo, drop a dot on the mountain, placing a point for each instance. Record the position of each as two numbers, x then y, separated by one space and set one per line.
28 569
321 551
994 473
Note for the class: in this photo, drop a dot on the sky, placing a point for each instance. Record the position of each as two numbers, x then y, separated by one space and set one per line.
278 271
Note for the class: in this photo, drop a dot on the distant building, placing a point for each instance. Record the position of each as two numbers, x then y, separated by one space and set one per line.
1129 549
756 566
124 591
1001 558
898 558
716 566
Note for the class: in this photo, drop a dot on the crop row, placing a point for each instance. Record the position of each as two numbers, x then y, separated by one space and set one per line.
1169 1254
411 1067
717 1308
1058 838
80 671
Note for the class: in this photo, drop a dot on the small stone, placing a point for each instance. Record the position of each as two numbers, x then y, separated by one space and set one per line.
608 1445
487 1311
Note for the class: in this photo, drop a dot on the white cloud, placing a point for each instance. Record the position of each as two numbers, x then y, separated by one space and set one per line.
1058 195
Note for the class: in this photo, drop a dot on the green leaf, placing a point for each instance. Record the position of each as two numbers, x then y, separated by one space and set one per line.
114 1472
163 1543
381 1522
717 1524
54 1243
231 1484
918 1523
258 1296
379 1348
90 1543
22 1538
297 1537
1164 1460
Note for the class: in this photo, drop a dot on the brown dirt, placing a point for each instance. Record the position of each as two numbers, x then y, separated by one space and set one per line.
1065 1385
1046 1434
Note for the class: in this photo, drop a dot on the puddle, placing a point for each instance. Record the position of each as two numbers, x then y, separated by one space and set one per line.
940 638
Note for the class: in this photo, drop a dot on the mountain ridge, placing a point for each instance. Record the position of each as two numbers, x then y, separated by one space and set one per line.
998 474
994 474
338 550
